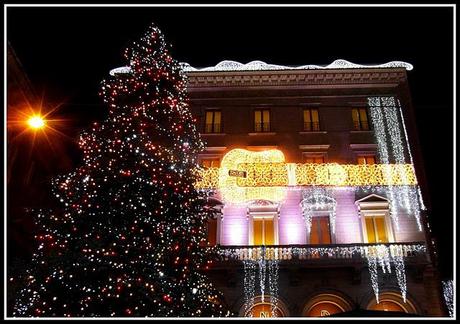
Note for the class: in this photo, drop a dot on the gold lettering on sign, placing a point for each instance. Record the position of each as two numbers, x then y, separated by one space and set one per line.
264 314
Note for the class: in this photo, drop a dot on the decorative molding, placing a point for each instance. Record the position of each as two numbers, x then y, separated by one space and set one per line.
318 147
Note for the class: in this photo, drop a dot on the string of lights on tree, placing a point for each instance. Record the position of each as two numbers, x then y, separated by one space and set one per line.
128 238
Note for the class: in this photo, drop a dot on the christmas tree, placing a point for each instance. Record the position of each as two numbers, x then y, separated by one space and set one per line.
129 238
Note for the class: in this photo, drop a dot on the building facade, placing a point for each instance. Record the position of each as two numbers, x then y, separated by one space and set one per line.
317 184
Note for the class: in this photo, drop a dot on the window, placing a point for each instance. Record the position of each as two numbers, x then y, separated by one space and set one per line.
375 229
360 120
262 120
313 158
213 123
366 159
210 163
310 120
320 230
263 231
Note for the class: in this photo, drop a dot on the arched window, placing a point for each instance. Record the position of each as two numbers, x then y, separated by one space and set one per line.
392 302
326 304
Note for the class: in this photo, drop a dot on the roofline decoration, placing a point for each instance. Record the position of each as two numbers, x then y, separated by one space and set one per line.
228 65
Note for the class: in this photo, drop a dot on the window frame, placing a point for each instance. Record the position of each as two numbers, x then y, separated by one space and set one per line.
360 121
312 128
306 155
387 220
262 120
213 127
263 214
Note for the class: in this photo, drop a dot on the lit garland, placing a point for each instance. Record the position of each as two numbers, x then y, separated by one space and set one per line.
448 292
128 239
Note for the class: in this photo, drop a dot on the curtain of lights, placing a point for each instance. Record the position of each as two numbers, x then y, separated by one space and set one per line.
391 148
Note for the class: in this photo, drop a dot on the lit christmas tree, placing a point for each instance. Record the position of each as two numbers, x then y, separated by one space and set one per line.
129 239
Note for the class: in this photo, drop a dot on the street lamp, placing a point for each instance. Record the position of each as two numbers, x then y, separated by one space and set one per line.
36 122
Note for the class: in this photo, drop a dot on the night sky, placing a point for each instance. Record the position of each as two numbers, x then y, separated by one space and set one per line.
67 51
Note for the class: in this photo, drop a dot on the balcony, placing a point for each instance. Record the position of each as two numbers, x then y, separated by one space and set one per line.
356 252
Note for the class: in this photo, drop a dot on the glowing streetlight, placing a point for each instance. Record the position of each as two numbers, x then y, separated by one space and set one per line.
36 122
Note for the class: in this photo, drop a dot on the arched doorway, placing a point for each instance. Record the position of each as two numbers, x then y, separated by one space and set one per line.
392 302
326 304
264 308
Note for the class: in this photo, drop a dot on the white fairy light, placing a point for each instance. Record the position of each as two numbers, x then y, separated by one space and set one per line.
262 275
372 264
249 285
448 292
318 199
400 275
228 65
273 269
378 124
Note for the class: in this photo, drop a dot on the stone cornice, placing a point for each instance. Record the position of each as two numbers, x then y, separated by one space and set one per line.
295 78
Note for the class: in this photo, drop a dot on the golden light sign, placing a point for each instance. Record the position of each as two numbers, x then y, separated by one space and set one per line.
246 175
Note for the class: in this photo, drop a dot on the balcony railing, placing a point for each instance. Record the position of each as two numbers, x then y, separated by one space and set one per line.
322 252
311 126
361 125
213 128
262 127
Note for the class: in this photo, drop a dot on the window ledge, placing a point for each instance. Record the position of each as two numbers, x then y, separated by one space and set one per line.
261 133
213 134
312 132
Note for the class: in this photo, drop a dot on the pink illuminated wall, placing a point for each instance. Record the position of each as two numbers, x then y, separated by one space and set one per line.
291 226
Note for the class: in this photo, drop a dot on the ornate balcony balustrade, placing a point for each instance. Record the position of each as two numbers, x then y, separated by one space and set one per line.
323 252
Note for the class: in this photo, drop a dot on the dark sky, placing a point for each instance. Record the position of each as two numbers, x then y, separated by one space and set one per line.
67 51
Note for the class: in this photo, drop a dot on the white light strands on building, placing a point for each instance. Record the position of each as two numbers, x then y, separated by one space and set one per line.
318 199
387 128
262 276
249 285
401 275
372 264
378 123
273 269
448 291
